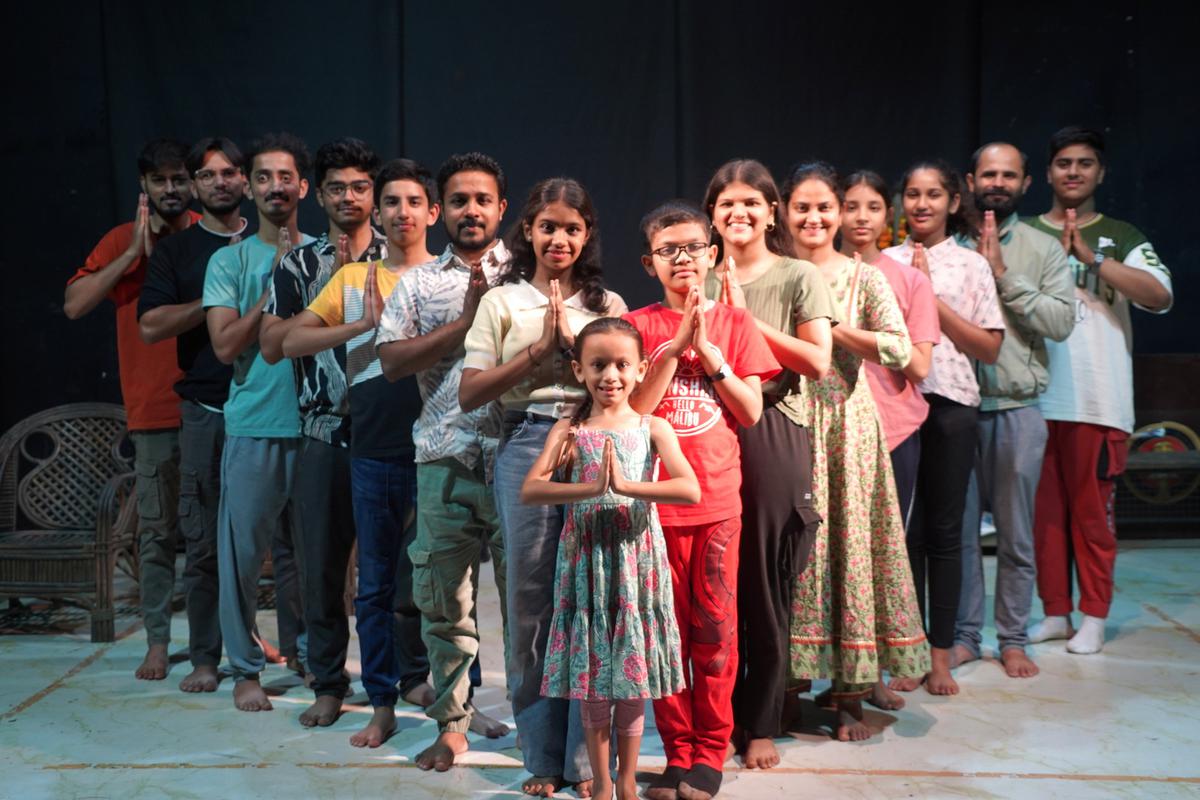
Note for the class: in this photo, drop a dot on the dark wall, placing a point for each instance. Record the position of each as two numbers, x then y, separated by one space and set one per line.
640 101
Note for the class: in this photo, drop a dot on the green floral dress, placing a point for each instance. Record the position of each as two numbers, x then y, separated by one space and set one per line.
854 609
613 634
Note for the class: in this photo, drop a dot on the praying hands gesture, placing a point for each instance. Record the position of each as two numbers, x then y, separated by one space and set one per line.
477 287
566 339
920 260
141 243
1073 243
989 245
283 245
550 330
373 301
343 256
731 289
686 332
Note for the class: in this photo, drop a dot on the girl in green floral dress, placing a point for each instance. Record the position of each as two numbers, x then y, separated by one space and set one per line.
854 609
613 636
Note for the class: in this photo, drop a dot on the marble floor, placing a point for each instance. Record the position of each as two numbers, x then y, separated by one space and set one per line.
74 723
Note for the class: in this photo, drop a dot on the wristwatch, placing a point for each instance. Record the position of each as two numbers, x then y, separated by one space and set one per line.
1098 259
722 372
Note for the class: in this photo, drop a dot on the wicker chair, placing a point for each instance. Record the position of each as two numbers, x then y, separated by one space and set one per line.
67 510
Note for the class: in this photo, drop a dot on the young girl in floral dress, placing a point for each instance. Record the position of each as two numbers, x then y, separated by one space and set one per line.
854 609
613 638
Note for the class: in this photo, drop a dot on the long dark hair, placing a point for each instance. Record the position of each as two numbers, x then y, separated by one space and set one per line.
586 275
757 177
950 181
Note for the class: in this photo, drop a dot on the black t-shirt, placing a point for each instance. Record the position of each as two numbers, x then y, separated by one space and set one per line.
174 276
382 414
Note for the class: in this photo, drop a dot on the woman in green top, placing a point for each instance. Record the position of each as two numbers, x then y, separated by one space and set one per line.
793 309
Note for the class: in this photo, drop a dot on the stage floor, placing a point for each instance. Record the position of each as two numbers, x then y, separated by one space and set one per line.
74 723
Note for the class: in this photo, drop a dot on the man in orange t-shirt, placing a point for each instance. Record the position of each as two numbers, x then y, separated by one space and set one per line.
116 269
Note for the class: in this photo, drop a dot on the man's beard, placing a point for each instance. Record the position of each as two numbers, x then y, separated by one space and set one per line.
217 208
170 213
456 237
1002 208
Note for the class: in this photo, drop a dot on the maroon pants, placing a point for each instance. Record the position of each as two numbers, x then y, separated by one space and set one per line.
696 724
1073 520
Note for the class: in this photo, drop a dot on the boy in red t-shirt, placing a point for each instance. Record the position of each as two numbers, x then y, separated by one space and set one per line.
707 364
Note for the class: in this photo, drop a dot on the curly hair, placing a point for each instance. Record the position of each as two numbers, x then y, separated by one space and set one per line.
345 153
587 275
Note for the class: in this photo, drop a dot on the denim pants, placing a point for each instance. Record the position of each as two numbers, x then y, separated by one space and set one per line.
385 495
1007 467
156 462
551 728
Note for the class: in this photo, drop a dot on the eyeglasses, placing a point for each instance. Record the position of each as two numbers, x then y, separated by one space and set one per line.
357 188
670 252
207 177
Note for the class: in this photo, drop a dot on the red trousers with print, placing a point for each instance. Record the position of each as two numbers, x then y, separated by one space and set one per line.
1073 520
696 724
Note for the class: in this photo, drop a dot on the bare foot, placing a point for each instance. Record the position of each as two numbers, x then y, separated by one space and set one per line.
666 786
483 725
601 789
381 726
420 695
760 754
154 665
627 788
939 680
961 654
850 727
544 785
270 652
1017 664
200 679
248 695
585 788
441 754
883 697
323 712
906 684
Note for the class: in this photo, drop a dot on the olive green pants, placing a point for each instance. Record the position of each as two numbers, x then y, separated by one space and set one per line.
156 462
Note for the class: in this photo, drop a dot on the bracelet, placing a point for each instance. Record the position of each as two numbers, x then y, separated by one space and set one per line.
532 360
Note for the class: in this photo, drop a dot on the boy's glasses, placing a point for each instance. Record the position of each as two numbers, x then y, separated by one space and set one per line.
670 252
357 188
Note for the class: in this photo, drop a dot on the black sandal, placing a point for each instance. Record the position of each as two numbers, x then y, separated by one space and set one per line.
703 778
669 779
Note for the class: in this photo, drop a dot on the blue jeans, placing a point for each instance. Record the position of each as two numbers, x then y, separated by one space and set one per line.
551 728
1007 468
384 494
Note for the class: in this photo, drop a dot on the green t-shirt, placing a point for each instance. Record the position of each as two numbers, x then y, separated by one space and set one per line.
788 294
262 398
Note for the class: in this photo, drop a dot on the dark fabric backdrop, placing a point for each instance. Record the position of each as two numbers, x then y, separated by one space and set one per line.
640 101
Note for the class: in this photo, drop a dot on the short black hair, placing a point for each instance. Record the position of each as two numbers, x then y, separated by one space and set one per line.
282 143
405 169
159 154
209 144
345 153
673 212
1076 134
471 162
979 152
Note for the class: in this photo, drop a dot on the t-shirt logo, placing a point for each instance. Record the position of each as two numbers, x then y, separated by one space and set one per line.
690 404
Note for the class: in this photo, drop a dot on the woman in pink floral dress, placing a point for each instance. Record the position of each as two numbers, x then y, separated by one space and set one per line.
613 638
854 609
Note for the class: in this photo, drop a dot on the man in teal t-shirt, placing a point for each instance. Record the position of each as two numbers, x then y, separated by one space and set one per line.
262 418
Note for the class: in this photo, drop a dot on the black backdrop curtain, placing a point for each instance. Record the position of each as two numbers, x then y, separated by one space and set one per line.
640 101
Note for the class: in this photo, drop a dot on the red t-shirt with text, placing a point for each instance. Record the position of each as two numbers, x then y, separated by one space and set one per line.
707 431
148 371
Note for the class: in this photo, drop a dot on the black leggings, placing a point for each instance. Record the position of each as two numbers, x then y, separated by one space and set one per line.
948 441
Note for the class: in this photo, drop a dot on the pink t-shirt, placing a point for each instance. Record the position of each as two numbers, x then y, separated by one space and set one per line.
901 406
705 427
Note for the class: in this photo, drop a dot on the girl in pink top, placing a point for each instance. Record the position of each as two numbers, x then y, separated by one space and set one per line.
972 328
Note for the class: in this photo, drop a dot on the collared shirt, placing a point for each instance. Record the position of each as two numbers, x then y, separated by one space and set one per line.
962 280
1037 297
509 320
425 299
321 379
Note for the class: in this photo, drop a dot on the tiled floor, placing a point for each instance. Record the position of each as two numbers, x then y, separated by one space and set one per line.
74 723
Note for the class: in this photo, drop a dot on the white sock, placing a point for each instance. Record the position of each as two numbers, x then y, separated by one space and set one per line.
1051 628
1090 637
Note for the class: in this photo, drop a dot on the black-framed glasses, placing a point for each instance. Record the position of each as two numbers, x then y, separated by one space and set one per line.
670 252
356 188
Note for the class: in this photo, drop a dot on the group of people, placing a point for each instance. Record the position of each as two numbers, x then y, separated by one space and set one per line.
774 474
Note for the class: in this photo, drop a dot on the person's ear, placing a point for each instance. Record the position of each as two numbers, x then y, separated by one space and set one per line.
1025 184
648 264
643 366
321 202
970 181
503 207
303 188
528 231
435 211
577 368
955 202
1100 177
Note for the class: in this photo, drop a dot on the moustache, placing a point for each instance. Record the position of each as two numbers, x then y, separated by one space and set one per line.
272 196
171 196
469 223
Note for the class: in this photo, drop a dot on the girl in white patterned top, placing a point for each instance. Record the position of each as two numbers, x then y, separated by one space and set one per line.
972 328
